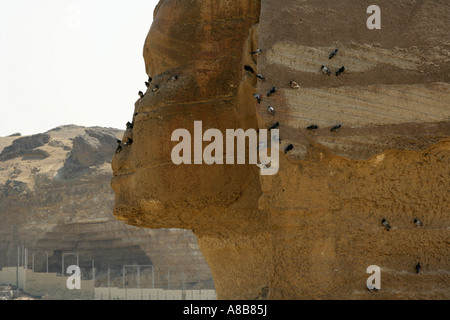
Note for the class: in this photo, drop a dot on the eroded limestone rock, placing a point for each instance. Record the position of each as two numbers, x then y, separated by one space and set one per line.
312 230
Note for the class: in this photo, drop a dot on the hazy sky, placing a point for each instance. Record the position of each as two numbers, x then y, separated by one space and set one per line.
70 62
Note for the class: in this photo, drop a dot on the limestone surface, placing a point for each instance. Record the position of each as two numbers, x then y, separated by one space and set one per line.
312 230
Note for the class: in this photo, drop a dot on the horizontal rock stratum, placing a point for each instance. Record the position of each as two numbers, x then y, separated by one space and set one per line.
312 230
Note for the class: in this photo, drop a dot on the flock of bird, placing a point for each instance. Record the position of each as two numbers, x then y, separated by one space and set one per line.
130 125
271 110
293 85
271 92
417 222
387 226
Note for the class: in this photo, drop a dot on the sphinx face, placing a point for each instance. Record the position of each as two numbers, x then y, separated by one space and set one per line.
193 53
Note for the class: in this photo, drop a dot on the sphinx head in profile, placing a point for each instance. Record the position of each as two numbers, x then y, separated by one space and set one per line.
195 71
311 229
195 74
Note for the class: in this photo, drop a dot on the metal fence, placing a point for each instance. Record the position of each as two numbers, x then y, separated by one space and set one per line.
128 276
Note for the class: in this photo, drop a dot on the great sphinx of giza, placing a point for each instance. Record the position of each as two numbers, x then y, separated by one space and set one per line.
312 230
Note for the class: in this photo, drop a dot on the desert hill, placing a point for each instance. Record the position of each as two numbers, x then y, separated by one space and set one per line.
55 198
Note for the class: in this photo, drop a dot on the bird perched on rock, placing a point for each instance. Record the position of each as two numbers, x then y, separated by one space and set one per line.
336 128
147 84
294 85
288 148
150 79
418 222
325 70
249 69
341 69
257 97
312 127
119 146
141 94
129 142
257 51
385 224
274 126
418 267
129 125
260 76
272 91
271 110
333 54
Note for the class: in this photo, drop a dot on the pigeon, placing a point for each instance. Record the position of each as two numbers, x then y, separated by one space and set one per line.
129 142
418 222
119 147
136 114
274 126
271 110
341 69
336 128
155 88
325 70
147 84
385 224
129 125
257 97
257 51
333 54
418 267
272 91
150 79
260 76
249 69
294 85
141 94
312 127
288 148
